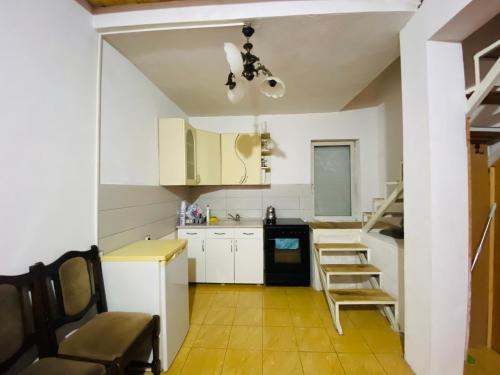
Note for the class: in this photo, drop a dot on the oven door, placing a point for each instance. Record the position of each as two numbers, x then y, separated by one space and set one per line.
286 250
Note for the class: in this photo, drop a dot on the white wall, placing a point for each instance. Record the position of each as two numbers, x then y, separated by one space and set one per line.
384 92
436 190
291 163
48 131
131 106
131 204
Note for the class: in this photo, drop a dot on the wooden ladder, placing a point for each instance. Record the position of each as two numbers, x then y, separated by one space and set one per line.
387 305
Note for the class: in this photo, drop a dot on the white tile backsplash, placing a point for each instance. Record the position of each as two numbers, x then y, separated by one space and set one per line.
128 213
251 202
244 203
244 192
282 203
214 203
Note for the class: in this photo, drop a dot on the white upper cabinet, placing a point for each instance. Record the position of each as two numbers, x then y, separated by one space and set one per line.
241 155
208 158
177 152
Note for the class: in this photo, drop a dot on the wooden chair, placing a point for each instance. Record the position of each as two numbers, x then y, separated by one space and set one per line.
72 291
23 336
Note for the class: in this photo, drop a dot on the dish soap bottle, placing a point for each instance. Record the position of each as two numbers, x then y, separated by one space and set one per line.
208 214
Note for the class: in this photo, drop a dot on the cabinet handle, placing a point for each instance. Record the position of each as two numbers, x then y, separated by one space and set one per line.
202 246
235 245
248 234
219 234
231 246
191 233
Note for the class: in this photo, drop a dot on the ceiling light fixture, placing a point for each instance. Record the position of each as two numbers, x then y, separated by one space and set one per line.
248 66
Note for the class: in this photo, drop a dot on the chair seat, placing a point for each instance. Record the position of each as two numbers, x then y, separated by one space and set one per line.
105 337
59 366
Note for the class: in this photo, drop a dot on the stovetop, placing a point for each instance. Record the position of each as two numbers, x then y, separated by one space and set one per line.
287 222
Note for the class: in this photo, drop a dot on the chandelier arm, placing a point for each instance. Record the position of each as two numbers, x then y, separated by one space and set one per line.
231 81
262 69
270 86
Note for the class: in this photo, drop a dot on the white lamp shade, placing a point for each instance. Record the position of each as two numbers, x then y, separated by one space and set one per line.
235 95
276 91
233 57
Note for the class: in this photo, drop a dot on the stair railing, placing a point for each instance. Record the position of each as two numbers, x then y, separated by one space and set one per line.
384 206
479 249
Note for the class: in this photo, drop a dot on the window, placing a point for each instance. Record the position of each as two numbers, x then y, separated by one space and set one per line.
335 179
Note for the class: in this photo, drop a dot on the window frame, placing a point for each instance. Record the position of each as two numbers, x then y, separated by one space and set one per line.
355 196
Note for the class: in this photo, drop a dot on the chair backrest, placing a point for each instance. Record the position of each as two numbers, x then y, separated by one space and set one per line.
72 286
22 329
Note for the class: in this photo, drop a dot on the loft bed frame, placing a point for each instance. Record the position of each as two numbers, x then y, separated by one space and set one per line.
486 91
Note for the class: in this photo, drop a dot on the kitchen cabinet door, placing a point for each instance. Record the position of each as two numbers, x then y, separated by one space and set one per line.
196 253
219 261
208 158
177 152
191 176
249 261
240 154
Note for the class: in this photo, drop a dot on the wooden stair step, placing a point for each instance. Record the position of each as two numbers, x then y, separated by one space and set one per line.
394 213
350 269
340 246
361 296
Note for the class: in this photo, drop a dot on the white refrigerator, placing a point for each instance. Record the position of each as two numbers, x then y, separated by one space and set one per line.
155 284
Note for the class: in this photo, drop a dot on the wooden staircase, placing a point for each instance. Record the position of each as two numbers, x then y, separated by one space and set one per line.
328 271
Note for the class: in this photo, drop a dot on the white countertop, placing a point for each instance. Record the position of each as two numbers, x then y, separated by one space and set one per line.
243 223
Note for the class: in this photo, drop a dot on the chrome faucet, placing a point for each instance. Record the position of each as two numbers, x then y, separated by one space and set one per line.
235 218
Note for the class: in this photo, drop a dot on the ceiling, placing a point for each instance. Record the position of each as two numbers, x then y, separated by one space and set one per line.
324 60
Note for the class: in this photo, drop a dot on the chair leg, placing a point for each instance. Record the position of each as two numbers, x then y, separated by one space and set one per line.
156 365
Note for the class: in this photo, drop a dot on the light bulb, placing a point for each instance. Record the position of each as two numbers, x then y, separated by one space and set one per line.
273 87
234 59
237 93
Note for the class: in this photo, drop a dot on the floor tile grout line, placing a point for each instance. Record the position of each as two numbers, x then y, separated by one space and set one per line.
324 326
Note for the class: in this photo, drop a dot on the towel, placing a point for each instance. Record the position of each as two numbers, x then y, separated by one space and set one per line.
286 243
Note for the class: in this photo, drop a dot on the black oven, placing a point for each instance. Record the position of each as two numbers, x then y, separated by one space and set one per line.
286 253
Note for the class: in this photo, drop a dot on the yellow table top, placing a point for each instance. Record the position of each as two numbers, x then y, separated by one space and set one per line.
147 251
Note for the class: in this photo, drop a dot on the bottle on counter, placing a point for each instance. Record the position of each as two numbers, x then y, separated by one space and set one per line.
208 214
182 213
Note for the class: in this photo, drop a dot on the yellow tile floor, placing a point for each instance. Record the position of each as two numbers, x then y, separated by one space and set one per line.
248 329
487 362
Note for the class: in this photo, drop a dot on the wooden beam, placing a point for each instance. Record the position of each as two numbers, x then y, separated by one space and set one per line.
85 4
484 137
491 262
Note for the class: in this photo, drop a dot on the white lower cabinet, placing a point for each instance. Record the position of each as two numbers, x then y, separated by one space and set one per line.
219 260
225 255
196 254
248 261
